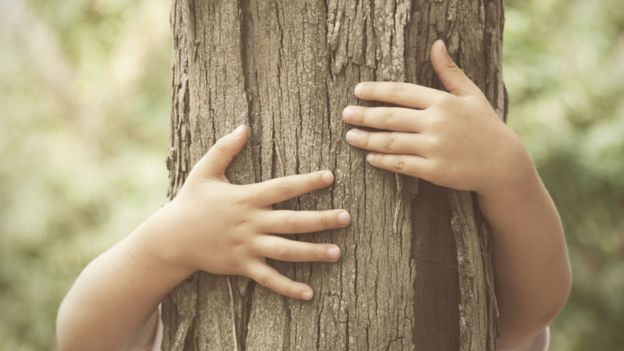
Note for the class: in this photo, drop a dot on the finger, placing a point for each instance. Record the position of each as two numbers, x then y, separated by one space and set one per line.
391 118
388 142
398 93
220 155
414 166
296 222
270 278
278 248
277 190
453 78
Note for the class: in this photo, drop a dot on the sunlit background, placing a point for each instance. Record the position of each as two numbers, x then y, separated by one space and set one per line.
84 127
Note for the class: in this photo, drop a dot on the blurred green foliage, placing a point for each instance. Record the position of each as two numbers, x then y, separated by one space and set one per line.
84 107
564 68
84 118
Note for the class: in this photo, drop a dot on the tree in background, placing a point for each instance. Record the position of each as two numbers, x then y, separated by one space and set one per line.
415 269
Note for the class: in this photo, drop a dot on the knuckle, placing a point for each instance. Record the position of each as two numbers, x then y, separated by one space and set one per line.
389 142
435 142
447 100
241 222
452 66
388 115
397 163
395 88
240 199
430 119
438 122
240 239
221 145
255 246
365 115
366 140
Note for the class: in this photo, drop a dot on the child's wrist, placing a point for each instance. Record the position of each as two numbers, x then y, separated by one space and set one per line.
515 175
157 242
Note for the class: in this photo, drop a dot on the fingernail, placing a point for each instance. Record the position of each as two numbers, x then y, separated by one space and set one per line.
328 177
306 295
348 112
449 59
239 130
359 88
333 253
353 136
344 218
371 157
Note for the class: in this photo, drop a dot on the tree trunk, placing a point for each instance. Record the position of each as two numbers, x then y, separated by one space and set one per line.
415 272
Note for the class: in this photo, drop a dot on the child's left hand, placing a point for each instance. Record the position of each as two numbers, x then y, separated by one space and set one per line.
457 140
451 139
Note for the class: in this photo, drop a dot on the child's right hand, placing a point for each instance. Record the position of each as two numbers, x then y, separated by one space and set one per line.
224 228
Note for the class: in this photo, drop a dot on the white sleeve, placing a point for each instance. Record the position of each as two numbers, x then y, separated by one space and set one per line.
540 342
159 332
149 337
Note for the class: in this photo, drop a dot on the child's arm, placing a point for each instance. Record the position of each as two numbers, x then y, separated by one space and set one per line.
212 226
456 140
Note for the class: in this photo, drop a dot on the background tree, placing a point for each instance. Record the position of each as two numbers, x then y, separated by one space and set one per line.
415 269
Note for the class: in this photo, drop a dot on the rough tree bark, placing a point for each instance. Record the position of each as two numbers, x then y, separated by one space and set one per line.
415 272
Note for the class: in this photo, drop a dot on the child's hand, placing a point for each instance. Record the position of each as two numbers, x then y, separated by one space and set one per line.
227 229
451 139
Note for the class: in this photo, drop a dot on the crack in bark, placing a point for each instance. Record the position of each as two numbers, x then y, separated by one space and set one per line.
232 314
246 313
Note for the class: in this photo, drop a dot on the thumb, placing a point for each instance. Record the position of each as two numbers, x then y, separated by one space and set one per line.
220 155
453 78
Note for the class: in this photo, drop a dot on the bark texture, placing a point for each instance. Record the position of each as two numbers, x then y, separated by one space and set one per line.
415 272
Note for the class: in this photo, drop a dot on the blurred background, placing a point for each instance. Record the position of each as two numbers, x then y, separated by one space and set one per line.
84 128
